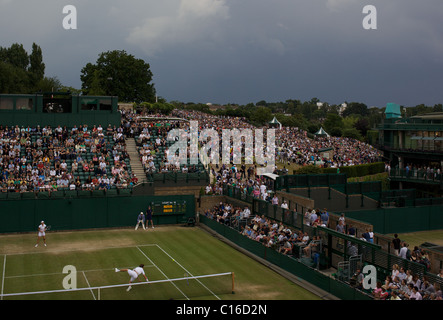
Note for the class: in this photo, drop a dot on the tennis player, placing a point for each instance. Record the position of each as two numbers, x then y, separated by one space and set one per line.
41 233
134 274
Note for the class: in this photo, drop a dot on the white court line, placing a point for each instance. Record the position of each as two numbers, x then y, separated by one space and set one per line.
93 270
162 273
87 282
59 273
3 276
76 250
188 272
61 251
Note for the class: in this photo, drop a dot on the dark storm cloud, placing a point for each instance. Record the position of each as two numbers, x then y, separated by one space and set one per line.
244 51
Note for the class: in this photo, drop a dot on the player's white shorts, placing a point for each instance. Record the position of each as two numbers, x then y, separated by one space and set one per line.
133 275
41 234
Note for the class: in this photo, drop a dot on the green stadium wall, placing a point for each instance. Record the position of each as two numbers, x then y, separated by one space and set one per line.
401 220
85 213
289 264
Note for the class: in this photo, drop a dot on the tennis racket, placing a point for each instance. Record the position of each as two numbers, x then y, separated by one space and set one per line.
48 228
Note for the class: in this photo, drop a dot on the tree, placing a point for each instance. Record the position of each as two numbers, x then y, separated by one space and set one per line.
49 84
356 108
333 121
336 132
13 79
261 115
17 56
362 125
351 133
37 67
117 73
261 103
21 73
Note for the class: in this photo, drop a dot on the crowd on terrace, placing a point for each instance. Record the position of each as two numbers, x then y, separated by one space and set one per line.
49 159
45 158
403 284
400 284
293 144
269 232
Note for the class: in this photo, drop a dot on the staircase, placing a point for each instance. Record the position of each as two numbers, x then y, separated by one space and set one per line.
136 164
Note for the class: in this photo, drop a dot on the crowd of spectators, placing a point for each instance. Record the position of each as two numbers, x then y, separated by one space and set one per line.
416 255
151 135
269 232
414 171
34 159
295 147
292 146
401 284
29 154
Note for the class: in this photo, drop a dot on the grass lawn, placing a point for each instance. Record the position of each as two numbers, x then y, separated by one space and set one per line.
168 252
417 238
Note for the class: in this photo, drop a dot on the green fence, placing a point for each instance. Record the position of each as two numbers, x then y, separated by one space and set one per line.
416 175
87 213
202 178
401 220
309 180
287 263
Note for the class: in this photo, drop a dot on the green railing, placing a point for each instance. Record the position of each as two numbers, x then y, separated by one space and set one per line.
417 175
290 264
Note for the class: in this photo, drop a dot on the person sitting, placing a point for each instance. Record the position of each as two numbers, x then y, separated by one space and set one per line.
286 248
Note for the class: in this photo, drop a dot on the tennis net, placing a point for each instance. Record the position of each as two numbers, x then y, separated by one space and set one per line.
211 286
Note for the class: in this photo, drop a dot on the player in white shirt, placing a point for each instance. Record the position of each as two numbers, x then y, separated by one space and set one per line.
41 233
134 273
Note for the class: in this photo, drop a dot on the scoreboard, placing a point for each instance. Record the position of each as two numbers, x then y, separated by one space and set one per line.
168 207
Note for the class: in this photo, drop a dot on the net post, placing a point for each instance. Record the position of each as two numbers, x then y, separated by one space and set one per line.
233 277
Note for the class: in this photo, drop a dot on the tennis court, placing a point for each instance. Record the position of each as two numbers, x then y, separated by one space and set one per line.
168 253
92 273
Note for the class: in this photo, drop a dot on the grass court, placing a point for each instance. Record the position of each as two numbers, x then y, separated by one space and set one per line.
168 252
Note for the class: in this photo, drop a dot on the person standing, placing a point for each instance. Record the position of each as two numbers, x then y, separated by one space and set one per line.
396 244
134 273
149 217
366 235
41 233
275 200
324 218
340 227
140 219
403 251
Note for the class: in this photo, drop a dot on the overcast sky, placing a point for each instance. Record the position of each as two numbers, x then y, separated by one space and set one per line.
241 51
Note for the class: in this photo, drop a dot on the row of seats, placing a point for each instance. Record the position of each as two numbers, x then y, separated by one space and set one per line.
159 158
65 193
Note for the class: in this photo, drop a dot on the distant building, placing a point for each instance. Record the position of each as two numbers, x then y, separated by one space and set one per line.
414 148
58 108
393 111
342 108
